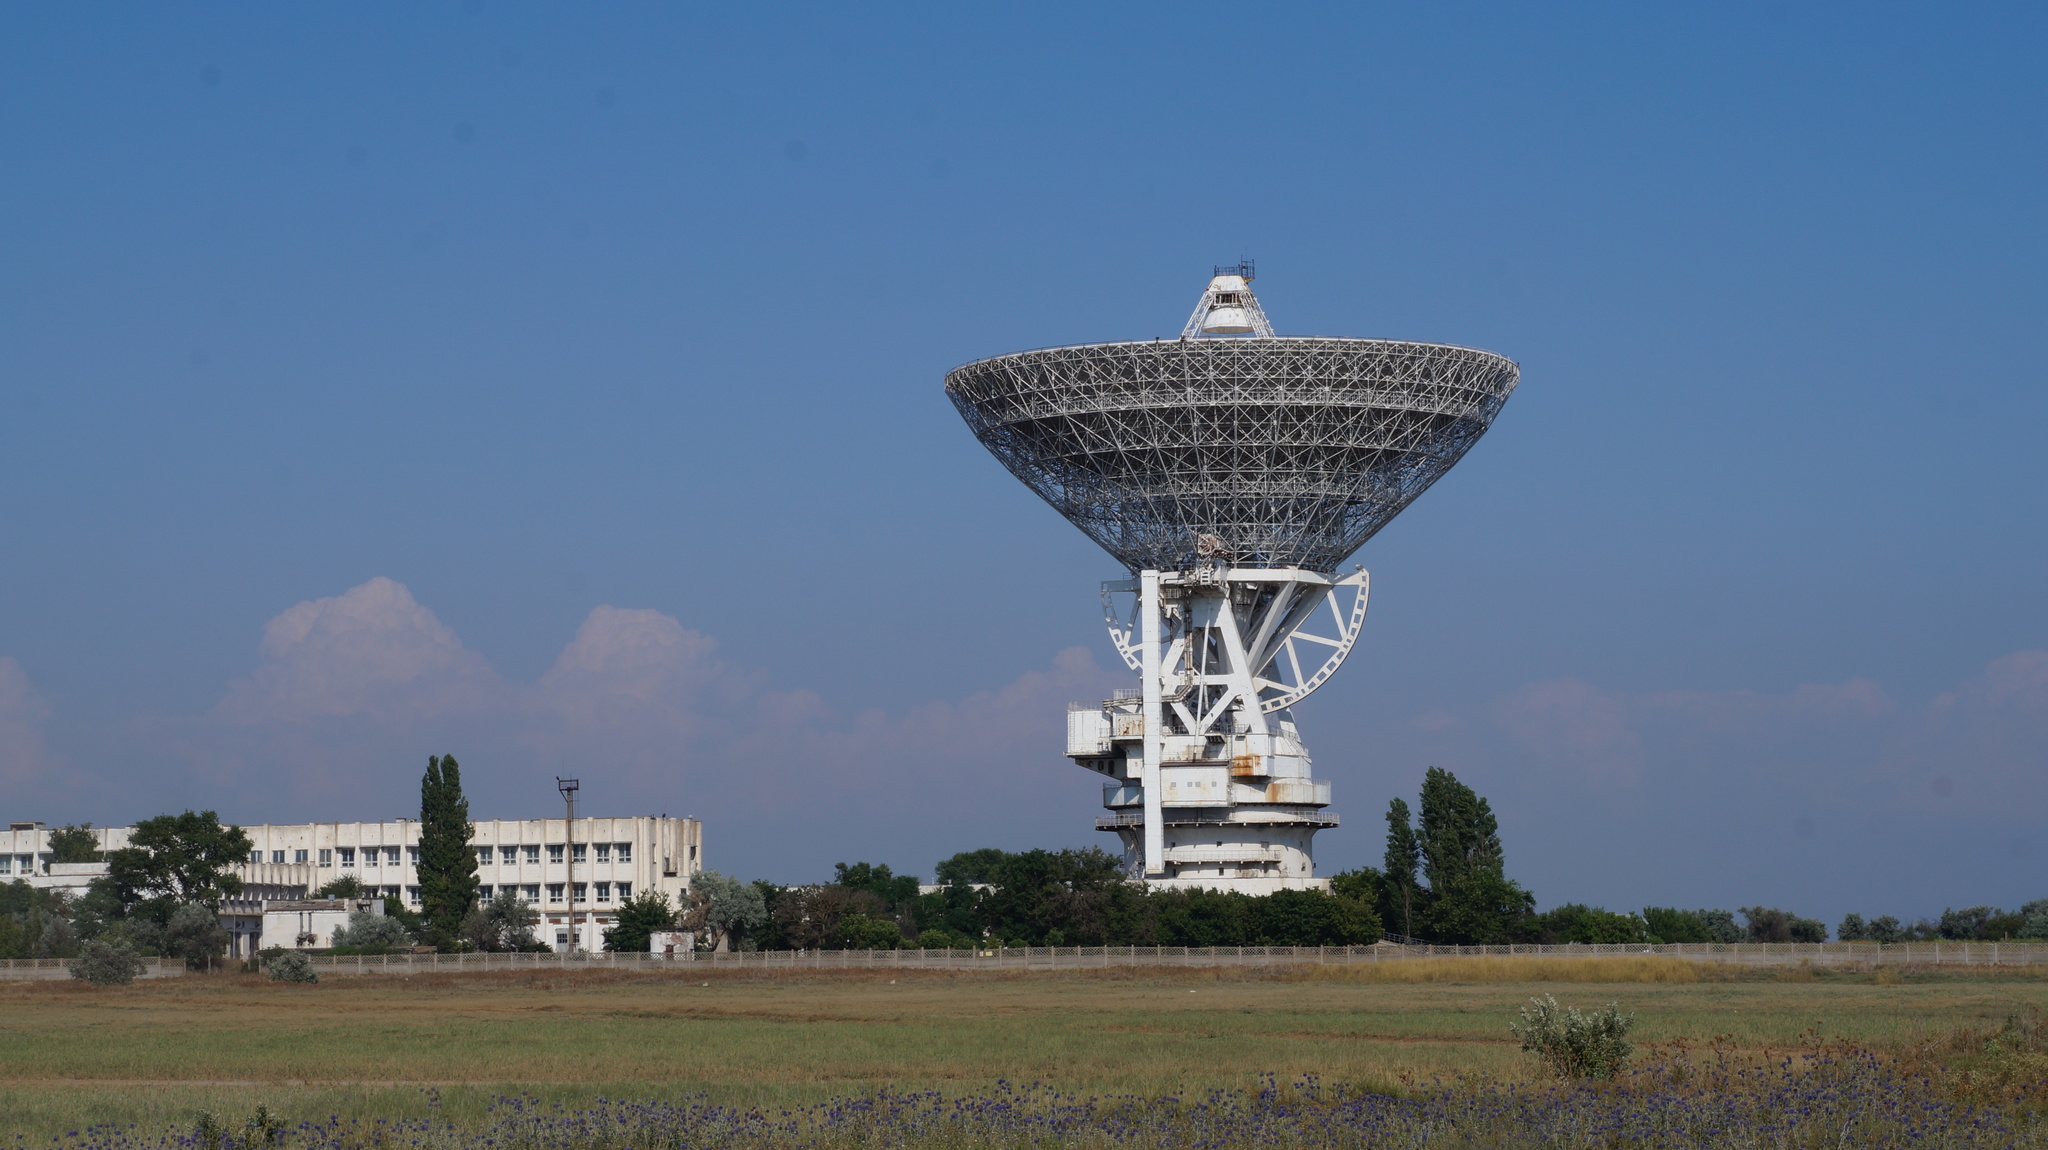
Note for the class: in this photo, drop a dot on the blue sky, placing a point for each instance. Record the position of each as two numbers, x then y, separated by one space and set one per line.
561 389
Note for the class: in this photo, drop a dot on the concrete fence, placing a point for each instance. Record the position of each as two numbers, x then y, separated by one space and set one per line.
1856 954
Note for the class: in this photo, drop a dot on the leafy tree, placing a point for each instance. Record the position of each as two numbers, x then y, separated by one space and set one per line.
194 933
1768 924
1312 918
1403 897
345 886
1083 894
74 844
859 931
1722 926
970 867
1364 884
894 890
639 917
1667 924
727 910
1985 923
1198 917
170 860
503 924
1885 928
1470 898
937 939
415 924
2034 919
1576 922
808 917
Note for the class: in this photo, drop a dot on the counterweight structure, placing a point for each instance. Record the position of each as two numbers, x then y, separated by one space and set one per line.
1232 472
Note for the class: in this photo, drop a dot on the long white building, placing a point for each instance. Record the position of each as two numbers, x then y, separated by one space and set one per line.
587 873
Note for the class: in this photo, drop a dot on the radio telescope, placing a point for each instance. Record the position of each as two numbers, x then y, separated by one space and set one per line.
1232 472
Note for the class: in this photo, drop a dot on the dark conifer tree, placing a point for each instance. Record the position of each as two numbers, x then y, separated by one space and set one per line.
447 868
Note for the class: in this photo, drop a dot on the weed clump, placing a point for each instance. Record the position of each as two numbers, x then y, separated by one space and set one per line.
1575 1044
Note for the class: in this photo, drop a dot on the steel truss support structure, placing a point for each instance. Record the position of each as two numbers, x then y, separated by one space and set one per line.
1211 784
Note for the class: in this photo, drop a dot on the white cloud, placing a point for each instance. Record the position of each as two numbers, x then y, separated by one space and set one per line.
351 693
372 651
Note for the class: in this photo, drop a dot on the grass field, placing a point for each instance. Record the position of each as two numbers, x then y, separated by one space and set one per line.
157 1052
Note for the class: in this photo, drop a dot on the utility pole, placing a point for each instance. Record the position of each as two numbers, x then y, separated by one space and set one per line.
568 787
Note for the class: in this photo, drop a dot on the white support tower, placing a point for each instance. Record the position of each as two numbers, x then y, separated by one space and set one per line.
1210 784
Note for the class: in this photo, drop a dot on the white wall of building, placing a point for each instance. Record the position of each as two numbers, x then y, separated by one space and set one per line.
611 860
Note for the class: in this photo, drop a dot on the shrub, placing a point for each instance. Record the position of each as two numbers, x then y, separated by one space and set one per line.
371 933
291 966
107 962
1576 1045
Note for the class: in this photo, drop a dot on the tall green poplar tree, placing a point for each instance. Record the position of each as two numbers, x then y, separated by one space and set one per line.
1404 855
1472 900
447 862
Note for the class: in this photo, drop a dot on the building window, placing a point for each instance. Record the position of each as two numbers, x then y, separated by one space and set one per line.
326 857
277 856
533 893
554 852
508 855
298 856
348 856
391 856
582 893
533 852
554 892
693 853
483 856
625 891
413 854
484 893
579 851
562 938
604 892
6 864
604 852
625 852
412 895
255 856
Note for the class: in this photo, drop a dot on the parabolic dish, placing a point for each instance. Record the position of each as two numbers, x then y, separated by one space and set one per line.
1289 452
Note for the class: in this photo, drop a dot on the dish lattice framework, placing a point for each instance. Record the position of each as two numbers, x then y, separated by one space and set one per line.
1262 451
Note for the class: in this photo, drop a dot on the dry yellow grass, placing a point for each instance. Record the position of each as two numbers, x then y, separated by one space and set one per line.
1646 968
157 1051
